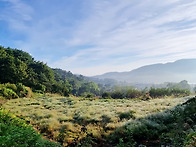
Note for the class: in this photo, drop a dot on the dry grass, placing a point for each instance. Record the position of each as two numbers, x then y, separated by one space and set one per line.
66 119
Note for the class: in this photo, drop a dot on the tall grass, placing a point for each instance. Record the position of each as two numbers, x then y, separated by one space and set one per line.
15 132
64 119
172 127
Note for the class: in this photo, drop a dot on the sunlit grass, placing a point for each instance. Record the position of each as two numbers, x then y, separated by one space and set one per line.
63 118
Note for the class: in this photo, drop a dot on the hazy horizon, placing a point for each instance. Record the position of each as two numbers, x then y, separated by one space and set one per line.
100 36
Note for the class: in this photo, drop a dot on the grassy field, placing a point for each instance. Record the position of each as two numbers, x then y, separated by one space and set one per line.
69 119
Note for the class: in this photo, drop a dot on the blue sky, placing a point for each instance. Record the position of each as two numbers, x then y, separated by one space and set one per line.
91 37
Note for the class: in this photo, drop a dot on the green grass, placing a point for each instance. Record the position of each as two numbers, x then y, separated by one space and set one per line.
172 127
15 132
64 119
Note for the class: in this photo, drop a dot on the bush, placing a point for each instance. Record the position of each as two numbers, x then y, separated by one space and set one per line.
87 95
11 91
190 140
15 132
11 86
133 93
29 92
126 115
161 92
117 95
106 95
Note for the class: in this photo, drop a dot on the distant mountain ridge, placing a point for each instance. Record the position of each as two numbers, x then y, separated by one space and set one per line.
184 69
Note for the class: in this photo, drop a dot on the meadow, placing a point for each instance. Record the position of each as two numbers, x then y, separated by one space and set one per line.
68 120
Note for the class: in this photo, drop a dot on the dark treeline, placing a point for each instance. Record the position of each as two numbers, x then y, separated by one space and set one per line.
17 66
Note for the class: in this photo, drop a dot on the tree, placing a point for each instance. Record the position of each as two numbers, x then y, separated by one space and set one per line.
133 93
106 95
12 70
17 66
117 95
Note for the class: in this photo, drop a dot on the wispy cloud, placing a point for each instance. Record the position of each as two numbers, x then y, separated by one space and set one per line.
102 35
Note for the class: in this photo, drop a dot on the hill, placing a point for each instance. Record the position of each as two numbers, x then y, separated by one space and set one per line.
17 66
157 73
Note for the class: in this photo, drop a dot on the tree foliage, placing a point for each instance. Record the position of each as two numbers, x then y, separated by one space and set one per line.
17 66
11 91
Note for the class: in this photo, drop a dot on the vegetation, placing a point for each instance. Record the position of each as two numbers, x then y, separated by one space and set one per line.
75 120
11 91
132 93
161 92
173 127
15 132
90 114
17 66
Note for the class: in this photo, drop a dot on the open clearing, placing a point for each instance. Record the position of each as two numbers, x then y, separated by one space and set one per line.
68 119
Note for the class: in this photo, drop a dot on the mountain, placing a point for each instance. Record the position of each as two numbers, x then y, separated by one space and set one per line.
179 70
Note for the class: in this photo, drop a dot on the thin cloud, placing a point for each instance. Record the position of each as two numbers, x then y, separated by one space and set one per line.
107 35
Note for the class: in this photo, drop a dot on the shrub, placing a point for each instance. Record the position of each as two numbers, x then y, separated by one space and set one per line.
15 132
190 140
11 86
117 95
11 91
106 95
161 92
29 92
126 115
87 95
133 93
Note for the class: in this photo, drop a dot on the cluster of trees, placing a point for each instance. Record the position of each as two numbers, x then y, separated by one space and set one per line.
17 66
173 89
176 89
123 92
161 92
183 85
76 84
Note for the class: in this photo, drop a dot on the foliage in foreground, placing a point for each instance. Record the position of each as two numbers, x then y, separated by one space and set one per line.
174 127
15 132
74 121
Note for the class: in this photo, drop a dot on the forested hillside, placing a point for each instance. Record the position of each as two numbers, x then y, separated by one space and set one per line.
17 66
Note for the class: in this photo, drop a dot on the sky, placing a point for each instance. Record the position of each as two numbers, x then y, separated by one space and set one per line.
92 37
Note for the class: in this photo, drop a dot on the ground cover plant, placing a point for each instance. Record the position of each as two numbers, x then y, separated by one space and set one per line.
172 127
15 132
80 121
